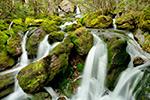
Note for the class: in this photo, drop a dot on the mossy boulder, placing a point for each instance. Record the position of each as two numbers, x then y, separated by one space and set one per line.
82 40
55 36
7 84
118 58
14 46
128 21
33 42
143 88
144 20
73 27
32 77
6 61
35 76
146 45
95 20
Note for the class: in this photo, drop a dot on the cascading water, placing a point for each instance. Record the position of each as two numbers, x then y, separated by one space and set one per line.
93 83
78 13
114 20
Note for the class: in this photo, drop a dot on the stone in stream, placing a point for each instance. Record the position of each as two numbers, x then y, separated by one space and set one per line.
138 61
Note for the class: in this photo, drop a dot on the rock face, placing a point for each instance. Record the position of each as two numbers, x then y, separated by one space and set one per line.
67 6
118 58
7 84
33 42
95 20
82 41
138 61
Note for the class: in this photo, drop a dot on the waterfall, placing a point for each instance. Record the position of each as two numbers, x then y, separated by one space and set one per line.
78 13
93 83
45 48
114 20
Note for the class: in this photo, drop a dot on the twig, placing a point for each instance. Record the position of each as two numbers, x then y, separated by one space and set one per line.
10 32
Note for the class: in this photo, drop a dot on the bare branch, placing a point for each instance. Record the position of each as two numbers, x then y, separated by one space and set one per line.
10 32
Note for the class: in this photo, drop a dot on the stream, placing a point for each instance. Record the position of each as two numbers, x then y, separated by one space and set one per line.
93 85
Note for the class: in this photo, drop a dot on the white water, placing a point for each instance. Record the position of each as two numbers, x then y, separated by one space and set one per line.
45 48
114 20
78 13
93 83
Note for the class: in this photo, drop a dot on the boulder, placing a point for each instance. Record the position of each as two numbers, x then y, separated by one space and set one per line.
14 46
55 36
82 40
95 20
72 27
138 61
127 21
67 6
144 20
7 84
139 36
35 76
6 61
33 42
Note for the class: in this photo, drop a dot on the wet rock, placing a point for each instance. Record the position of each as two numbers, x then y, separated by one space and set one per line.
67 6
61 98
95 20
139 36
55 36
82 40
33 42
6 84
143 87
138 61
41 96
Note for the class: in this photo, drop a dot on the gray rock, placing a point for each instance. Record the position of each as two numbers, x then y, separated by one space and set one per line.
67 6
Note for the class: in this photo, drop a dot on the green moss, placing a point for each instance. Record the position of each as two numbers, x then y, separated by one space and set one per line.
55 36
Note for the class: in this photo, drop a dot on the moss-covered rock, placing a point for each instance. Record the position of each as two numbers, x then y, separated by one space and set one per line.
14 46
32 78
127 21
144 21
73 27
143 87
95 20
55 36
33 42
5 61
146 45
7 84
82 40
